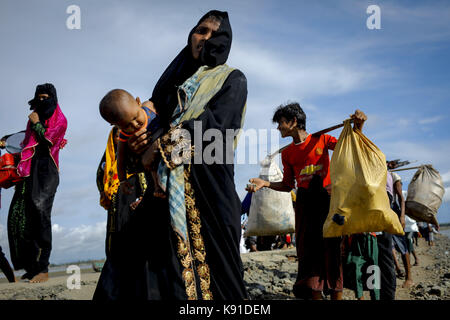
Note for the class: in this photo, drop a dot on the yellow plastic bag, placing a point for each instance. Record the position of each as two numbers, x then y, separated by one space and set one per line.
359 202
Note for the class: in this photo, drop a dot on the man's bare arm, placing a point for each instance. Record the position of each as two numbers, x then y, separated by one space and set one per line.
257 183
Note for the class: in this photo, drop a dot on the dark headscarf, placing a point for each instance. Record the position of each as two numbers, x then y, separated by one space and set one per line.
46 107
214 52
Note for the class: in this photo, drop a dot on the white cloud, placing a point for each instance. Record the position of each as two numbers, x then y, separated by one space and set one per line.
304 75
431 120
70 244
446 177
78 243
446 195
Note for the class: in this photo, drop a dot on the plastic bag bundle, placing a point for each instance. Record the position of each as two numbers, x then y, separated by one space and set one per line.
359 201
425 193
271 212
8 171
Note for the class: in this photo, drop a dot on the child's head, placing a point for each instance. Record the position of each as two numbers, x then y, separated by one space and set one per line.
288 117
119 108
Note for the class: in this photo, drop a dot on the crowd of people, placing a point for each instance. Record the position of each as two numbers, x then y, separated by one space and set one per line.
192 210
327 265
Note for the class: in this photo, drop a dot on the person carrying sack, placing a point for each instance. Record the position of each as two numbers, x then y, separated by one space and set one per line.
306 163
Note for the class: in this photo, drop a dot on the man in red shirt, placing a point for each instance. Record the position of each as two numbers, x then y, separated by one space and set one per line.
306 163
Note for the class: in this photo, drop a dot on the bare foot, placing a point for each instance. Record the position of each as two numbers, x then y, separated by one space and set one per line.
408 283
40 277
134 205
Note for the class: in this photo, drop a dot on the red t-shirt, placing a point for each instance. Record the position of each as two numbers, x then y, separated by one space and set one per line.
302 161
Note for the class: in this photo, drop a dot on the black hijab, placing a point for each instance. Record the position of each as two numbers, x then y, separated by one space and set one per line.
44 108
214 52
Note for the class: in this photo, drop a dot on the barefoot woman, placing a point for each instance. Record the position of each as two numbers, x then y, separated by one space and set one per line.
29 222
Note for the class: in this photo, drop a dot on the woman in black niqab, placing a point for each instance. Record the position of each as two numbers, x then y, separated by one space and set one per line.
214 53
158 272
44 107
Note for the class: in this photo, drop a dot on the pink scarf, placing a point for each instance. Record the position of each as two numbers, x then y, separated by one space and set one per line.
56 128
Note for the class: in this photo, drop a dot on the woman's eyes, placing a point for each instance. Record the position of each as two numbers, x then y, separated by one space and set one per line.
201 30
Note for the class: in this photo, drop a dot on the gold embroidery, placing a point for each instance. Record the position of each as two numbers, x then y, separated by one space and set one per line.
194 224
166 146
184 254
142 182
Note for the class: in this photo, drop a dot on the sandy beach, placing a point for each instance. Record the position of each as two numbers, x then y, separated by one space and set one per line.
268 275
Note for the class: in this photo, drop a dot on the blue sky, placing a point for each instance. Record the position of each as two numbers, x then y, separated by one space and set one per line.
320 54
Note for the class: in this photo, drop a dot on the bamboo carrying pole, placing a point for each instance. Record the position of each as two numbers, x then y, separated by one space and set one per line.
317 134
412 168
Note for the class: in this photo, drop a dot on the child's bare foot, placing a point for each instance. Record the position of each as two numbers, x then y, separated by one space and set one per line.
40 277
408 283
135 204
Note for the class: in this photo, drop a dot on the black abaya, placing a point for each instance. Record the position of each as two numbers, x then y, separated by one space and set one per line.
220 209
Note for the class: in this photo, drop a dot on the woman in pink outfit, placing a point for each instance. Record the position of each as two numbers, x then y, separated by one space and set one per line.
29 219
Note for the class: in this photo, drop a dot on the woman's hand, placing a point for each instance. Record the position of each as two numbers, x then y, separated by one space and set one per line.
403 221
139 141
34 117
359 117
256 184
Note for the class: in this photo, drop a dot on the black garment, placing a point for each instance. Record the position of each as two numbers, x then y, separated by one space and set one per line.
100 174
5 267
319 259
41 186
46 107
30 235
214 188
215 191
119 268
217 48
220 213
387 267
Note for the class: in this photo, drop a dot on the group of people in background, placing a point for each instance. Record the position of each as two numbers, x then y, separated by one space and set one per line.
327 265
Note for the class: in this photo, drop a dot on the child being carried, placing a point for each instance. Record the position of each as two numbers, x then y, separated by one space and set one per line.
118 107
